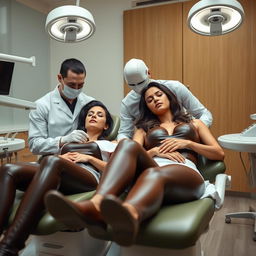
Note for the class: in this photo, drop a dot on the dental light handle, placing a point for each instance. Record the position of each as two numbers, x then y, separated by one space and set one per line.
253 116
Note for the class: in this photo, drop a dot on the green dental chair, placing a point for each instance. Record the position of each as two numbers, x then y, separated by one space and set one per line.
174 230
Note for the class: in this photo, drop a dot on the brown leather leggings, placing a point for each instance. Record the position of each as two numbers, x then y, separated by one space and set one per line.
36 180
151 185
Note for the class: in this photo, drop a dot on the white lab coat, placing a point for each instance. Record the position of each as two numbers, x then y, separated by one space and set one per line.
52 119
130 107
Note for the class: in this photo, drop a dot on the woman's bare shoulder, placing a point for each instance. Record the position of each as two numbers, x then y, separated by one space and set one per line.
197 123
139 131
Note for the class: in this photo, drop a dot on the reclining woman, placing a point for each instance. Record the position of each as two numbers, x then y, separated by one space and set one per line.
52 173
164 171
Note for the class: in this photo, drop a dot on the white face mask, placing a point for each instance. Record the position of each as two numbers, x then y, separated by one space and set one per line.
71 93
140 86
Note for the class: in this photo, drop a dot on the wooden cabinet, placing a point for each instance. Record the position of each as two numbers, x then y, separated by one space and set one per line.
24 155
154 35
220 70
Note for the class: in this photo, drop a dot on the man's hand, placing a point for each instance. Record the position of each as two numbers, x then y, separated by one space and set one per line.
78 136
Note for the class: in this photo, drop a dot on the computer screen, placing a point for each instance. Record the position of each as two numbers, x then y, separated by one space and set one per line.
6 71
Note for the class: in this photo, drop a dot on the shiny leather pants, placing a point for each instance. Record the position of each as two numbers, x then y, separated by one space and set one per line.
36 180
151 185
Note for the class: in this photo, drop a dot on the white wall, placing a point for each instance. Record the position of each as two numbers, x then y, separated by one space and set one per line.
102 54
25 36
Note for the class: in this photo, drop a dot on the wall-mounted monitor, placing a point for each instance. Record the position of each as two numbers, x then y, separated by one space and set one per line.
6 71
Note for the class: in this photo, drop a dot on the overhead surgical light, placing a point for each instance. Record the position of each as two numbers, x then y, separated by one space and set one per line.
70 23
215 17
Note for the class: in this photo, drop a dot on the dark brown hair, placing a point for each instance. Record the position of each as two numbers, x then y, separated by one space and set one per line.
148 120
74 65
84 111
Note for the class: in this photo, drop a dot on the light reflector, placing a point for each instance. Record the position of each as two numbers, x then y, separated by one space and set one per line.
70 23
215 17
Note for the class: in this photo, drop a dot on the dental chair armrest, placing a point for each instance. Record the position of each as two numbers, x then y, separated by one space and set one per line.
222 182
210 168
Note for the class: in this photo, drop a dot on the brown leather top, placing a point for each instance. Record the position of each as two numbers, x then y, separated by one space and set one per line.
185 131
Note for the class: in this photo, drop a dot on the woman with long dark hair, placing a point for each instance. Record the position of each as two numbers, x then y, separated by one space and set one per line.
158 167
80 171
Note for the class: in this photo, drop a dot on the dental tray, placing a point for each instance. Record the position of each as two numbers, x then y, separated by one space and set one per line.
11 145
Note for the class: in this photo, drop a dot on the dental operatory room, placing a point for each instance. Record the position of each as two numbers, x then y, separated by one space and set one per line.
127 127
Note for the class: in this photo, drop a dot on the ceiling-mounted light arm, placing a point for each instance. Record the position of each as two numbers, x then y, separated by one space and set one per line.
7 57
215 17
71 29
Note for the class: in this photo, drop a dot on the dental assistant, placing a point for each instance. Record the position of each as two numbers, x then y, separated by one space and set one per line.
53 123
137 75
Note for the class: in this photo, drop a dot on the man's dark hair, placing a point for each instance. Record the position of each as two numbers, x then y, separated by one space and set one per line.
74 65
84 111
148 120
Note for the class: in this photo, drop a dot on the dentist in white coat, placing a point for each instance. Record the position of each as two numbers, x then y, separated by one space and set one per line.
54 121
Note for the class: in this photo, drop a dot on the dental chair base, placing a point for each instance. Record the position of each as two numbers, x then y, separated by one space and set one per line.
153 251
66 244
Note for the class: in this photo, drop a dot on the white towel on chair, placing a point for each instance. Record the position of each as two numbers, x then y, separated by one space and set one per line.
210 191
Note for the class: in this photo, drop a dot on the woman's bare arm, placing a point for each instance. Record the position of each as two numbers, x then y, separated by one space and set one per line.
210 147
139 136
